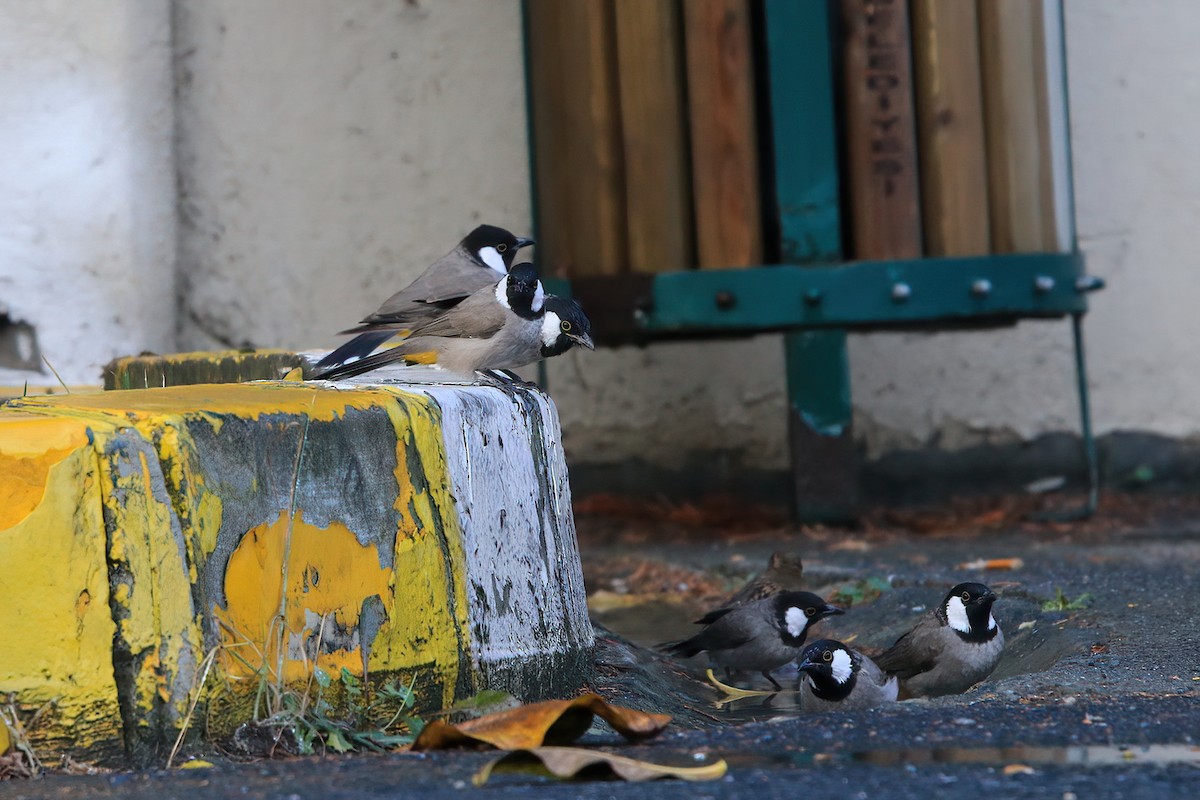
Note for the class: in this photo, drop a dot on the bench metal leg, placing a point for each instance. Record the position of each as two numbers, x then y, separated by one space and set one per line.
824 469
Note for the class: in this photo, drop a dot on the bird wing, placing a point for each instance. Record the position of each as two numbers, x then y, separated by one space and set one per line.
477 317
913 653
448 281
713 616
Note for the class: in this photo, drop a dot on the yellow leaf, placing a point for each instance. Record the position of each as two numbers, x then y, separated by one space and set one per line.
5 737
196 763
294 374
552 721
569 762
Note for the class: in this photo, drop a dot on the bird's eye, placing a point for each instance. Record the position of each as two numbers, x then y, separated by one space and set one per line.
810 612
966 597
566 326
501 247
827 655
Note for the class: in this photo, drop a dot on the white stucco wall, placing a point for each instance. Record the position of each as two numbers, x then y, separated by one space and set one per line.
87 198
329 151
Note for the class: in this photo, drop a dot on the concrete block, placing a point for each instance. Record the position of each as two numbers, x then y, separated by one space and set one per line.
418 530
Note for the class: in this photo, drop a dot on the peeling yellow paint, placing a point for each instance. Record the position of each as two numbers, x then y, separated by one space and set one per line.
28 451
62 479
57 642
328 576
434 569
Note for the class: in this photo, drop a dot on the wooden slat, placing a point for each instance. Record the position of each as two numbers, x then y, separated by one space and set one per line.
1020 171
654 135
949 104
881 147
576 127
720 75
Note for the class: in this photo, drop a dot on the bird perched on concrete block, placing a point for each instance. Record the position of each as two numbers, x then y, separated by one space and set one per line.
497 327
834 677
783 574
758 636
951 649
483 256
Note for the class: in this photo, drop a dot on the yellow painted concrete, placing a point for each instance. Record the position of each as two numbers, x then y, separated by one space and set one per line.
57 642
61 481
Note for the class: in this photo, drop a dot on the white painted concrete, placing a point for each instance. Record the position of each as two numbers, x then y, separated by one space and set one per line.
87 196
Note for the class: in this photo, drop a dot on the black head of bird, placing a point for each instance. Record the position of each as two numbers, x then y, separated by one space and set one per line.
831 669
565 326
967 608
493 247
521 292
795 612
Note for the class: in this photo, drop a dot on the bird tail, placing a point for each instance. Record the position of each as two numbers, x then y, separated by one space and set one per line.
683 649
408 352
359 347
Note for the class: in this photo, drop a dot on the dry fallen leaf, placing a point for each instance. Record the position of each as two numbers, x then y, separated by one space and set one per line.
993 563
552 721
1018 769
570 762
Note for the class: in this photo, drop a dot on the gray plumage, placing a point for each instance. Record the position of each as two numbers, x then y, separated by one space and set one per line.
784 573
497 327
477 262
759 636
833 677
949 650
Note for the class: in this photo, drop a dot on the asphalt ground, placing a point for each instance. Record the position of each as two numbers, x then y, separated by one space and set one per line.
1098 700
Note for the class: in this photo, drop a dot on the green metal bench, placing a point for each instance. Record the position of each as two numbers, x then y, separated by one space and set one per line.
815 297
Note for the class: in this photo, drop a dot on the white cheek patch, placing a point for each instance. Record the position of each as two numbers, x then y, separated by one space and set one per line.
795 621
550 325
991 623
841 666
491 257
956 615
539 298
502 293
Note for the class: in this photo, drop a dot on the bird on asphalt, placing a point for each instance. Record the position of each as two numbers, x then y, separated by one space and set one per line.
760 636
949 650
498 327
834 677
783 574
483 256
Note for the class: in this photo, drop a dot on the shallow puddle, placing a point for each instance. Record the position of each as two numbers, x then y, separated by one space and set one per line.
1078 755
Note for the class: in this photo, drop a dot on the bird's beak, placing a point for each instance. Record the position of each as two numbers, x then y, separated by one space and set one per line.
523 242
582 339
831 611
990 597
805 665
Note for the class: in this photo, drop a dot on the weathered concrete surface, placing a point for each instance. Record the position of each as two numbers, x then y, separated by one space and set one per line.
286 525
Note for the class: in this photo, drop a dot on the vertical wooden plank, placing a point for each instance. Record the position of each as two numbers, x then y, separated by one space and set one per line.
1020 172
1058 121
949 102
654 135
881 146
803 131
720 74
576 130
